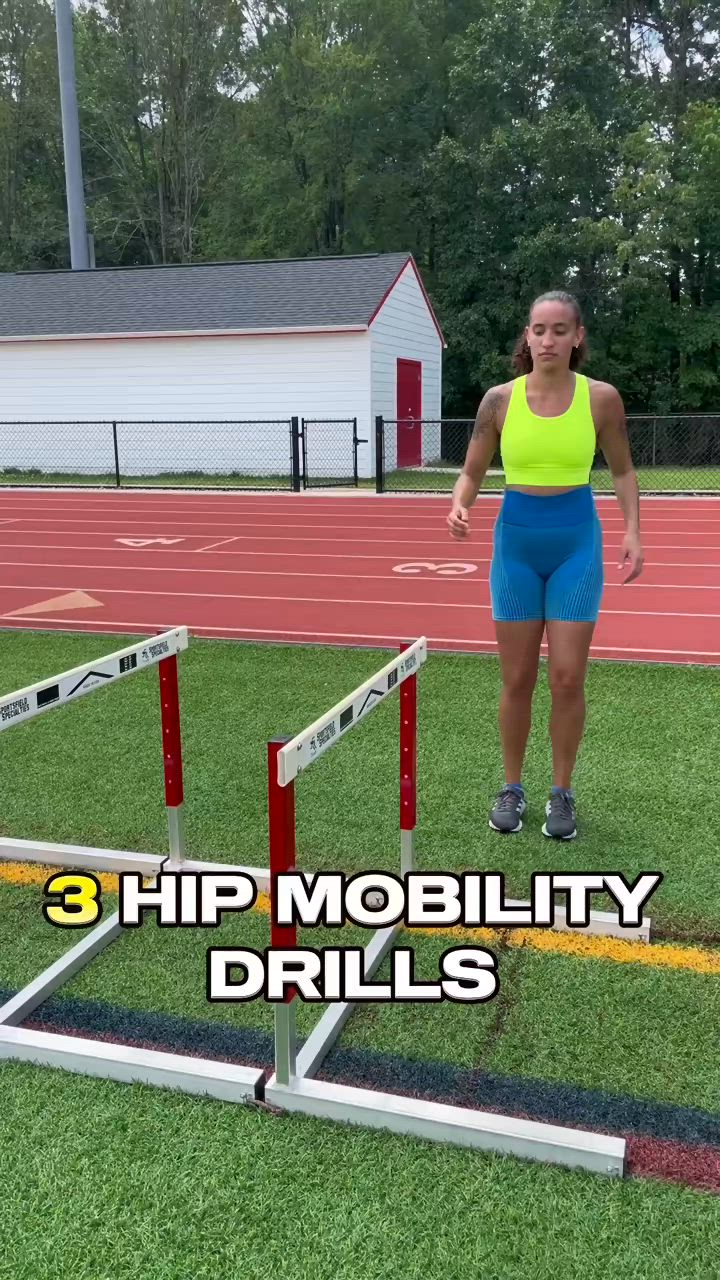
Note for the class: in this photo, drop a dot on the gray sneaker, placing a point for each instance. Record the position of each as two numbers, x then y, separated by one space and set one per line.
561 817
507 811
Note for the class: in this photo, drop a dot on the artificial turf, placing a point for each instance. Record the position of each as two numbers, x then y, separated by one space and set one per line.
168 1186
629 1029
111 1182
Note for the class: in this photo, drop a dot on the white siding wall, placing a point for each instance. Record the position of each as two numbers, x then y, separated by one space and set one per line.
181 379
405 329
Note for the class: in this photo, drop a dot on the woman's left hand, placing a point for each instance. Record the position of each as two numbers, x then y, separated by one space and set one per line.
632 551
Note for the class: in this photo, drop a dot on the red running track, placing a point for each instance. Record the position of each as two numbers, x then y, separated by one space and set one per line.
330 569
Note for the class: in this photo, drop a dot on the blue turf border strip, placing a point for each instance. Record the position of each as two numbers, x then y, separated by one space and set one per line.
436 1081
536 1099
181 1035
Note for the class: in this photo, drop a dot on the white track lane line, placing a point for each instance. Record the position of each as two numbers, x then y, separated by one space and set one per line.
324 600
391 542
308 555
609 522
213 545
466 578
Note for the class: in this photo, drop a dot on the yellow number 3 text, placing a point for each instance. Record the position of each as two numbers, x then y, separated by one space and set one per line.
79 900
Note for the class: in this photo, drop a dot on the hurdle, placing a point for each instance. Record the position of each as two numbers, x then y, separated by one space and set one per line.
293 1086
85 1056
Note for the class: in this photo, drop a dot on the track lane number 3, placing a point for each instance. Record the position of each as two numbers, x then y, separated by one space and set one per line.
449 569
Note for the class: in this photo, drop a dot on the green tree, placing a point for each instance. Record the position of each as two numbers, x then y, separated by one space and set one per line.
511 146
32 192
155 77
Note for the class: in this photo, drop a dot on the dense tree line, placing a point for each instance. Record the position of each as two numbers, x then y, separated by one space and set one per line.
511 145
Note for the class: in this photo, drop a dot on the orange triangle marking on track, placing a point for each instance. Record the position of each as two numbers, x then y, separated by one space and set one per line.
70 600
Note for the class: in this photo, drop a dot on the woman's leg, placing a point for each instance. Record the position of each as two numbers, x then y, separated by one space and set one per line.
519 646
517 597
568 649
573 597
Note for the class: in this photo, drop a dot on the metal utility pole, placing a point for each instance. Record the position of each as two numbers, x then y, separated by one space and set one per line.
79 247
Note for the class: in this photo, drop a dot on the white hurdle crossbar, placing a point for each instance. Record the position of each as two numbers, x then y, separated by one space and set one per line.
292 1086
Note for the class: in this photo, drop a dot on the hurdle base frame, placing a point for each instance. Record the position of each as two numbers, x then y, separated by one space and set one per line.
458 1126
572 1148
228 1082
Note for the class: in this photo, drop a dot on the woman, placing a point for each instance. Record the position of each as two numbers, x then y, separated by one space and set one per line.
547 566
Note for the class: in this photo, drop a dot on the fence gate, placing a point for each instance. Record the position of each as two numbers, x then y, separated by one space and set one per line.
329 449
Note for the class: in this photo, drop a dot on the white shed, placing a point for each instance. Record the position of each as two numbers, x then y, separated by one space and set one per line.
202 366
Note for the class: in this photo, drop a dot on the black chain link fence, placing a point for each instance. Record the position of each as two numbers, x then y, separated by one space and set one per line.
260 454
679 454
330 453
672 454
53 452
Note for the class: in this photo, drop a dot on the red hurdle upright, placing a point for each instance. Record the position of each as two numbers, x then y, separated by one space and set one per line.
281 819
287 757
408 771
172 755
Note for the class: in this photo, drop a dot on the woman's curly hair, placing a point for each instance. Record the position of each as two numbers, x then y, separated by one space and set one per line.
521 357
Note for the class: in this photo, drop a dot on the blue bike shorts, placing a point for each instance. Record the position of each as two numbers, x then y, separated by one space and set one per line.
547 558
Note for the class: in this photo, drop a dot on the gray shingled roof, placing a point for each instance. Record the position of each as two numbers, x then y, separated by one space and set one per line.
297 293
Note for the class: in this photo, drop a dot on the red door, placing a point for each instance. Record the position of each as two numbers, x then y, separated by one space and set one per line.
409 413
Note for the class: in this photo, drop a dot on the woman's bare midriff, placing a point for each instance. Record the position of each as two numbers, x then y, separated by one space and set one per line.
543 490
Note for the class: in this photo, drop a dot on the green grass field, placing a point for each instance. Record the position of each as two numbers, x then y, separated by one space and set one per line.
164 479
438 478
650 480
106 1181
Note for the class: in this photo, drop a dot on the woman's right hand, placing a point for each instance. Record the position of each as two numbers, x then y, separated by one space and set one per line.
458 522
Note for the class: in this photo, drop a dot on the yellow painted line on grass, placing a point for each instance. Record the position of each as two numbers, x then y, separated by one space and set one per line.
579 946
658 955
35 873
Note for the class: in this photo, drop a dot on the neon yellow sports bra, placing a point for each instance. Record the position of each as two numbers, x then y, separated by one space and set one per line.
548 451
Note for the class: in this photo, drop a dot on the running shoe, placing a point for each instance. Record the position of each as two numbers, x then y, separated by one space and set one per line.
507 811
561 818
